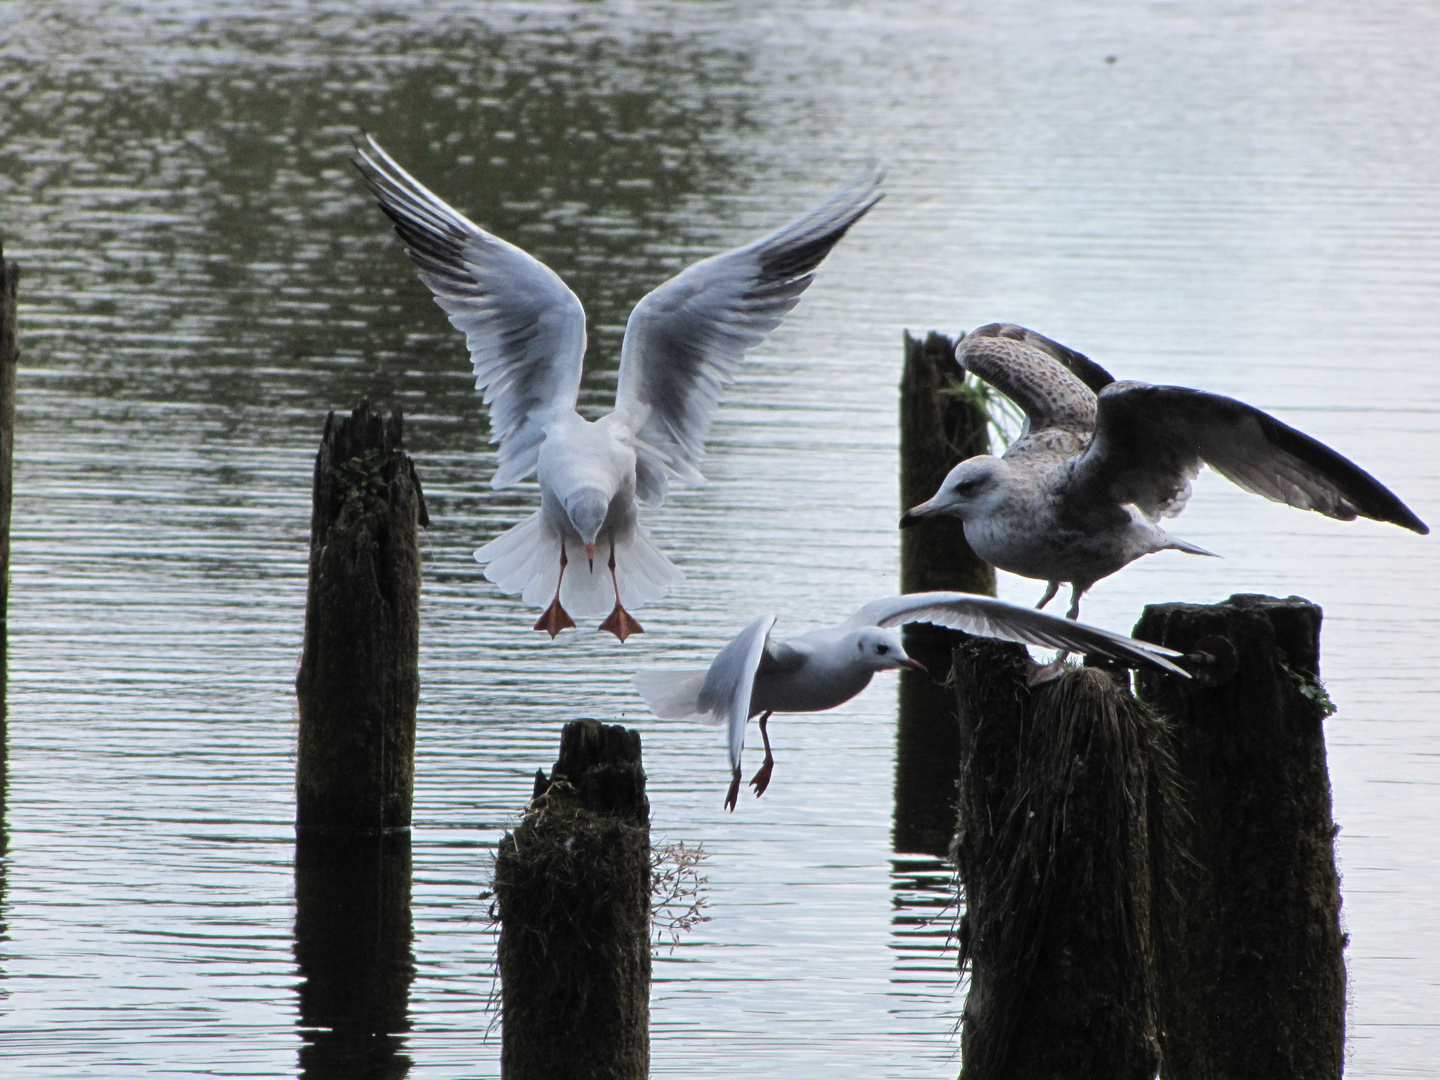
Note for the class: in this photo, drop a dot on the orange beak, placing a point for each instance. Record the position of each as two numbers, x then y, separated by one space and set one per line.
590 554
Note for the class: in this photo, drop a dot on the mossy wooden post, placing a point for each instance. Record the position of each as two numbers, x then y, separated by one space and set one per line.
942 422
1253 969
358 687
1062 795
9 362
359 679
572 891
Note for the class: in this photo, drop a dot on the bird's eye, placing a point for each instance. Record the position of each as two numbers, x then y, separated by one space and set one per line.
969 487
882 649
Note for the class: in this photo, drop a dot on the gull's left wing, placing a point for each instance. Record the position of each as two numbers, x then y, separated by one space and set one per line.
1151 440
685 339
989 617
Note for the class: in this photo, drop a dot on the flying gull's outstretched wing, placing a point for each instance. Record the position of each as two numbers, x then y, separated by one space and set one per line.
989 617
685 339
525 329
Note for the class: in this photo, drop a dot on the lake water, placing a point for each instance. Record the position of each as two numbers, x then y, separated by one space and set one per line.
1235 196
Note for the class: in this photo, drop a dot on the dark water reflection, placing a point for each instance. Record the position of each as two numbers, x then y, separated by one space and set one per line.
1243 201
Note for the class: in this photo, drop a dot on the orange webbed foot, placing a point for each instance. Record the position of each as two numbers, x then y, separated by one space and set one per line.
555 619
621 623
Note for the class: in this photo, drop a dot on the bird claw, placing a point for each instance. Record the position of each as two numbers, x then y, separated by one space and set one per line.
555 619
761 780
734 791
621 623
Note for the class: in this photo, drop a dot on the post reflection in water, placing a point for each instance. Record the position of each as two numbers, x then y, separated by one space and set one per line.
927 746
352 944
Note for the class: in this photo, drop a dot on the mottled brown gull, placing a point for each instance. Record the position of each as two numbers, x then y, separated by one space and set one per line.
1099 462
526 333
757 674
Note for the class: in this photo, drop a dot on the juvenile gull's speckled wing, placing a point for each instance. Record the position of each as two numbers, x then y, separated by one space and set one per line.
685 339
1150 441
523 326
1045 389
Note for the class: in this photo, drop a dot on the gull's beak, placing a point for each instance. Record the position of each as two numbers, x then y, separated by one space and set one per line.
914 665
915 515
590 554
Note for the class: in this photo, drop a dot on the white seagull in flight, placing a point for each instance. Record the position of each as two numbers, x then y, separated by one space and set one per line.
526 334
755 674
1099 462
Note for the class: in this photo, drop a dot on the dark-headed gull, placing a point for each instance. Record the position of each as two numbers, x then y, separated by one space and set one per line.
756 674
1099 462
526 334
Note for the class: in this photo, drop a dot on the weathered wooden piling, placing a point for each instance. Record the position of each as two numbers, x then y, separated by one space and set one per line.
572 893
353 949
1064 799
1252 955
942 422
359 681
9 363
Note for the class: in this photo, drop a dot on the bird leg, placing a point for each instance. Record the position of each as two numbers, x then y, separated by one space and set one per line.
734 790
619 622
1076 591
1051 588
761 780
556 618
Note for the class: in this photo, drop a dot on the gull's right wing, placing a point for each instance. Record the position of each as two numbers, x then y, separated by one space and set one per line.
731 679
524 327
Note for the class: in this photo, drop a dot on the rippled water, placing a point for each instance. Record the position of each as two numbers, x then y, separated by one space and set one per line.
1233 196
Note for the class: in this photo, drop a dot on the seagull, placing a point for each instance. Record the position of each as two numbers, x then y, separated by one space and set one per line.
526 333
756 674
1099 462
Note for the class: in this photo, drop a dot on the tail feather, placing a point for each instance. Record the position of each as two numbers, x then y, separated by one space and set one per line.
526 560
674 694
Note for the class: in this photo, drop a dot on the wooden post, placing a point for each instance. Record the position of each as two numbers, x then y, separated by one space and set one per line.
942 422
359 681
572 891
1252 956
1062 795
9 362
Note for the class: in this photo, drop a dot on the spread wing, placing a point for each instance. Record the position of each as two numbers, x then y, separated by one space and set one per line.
731 679
685 339
1151 440
1030 371
524 328
989 617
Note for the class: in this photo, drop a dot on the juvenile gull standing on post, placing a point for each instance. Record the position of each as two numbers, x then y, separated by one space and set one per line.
526 334
756 674
1099 462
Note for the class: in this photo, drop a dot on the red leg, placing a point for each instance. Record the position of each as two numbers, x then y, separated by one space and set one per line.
556 618
734 790
619 622
761 780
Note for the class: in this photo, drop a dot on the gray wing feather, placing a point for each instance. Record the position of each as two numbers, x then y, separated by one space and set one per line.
989 617
685 339
731 679
523 326
1151 440
1011 359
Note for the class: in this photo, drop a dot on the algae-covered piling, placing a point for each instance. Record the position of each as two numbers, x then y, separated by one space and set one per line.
1064 798
1252 955
9 361
359 681
572 893
942 422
